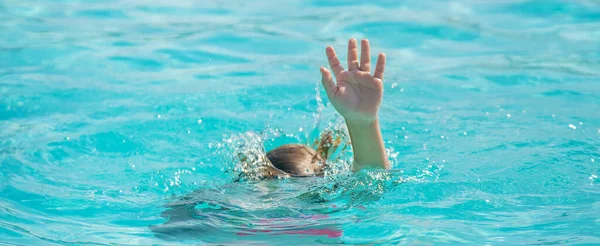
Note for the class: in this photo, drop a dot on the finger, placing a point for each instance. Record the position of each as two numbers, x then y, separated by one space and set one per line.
380 68
365 56
328 83
352 55
334 62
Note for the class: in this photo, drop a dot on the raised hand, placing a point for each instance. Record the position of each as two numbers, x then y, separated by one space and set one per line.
356 94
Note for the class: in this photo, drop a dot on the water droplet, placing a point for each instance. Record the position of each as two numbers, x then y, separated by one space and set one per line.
394 85
442 137
488 201
572 126
580 123
188 131
300 129
592 160
508 115
158 116
401 89
69 138
465 133
199 121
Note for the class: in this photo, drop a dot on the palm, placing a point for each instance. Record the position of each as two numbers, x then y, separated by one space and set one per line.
357 94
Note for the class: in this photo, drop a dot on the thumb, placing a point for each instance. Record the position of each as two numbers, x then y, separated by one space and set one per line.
328 83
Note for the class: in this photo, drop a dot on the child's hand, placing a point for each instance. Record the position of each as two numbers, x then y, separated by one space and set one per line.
357 94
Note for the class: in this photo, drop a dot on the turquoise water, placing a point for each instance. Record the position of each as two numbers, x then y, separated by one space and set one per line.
116 115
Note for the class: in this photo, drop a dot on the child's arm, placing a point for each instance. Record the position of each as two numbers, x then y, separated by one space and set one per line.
356 95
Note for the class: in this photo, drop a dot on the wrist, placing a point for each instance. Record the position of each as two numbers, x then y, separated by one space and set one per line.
362 122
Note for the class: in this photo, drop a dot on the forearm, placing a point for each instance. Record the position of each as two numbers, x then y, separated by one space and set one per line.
367 144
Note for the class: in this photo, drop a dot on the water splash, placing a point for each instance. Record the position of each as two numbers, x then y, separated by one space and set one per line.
247 158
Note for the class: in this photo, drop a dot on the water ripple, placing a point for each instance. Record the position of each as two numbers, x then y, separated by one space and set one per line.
114 116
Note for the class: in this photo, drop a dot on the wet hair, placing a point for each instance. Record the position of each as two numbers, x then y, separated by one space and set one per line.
297 160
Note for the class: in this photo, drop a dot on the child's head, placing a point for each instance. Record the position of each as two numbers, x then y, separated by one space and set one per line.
297 160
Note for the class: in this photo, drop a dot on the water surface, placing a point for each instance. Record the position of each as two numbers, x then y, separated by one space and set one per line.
112 111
